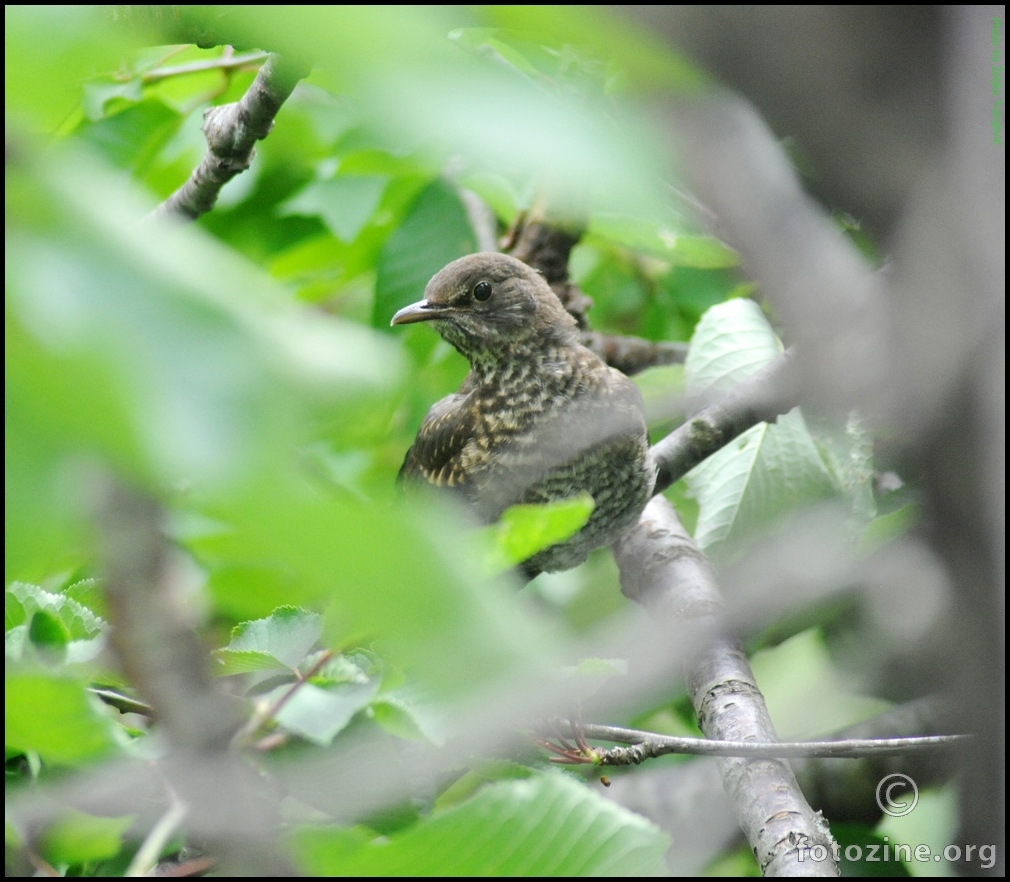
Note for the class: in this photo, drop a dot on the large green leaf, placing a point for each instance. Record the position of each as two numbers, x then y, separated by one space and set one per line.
769 470
77 838
283 638
345 203
434 232
731 342
547 825
152 351
320 713
755 479
55 717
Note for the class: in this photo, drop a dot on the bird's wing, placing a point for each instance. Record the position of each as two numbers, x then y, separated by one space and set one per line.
436 454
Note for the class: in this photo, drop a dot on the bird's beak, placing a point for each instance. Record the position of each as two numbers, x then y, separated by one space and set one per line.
422 311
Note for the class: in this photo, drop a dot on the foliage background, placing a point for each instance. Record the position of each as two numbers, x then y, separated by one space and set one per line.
241 372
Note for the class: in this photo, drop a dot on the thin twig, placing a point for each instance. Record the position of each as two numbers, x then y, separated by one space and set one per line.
224 64
646 745
123 703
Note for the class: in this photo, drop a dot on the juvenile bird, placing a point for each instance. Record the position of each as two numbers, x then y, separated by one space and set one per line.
539 417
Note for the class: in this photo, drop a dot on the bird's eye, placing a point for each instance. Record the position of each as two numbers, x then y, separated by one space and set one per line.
482 290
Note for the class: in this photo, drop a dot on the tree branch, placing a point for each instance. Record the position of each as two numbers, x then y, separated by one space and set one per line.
662 569
648 745
153 637
232 131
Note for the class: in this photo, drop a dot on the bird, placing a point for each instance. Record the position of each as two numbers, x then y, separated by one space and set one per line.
539 417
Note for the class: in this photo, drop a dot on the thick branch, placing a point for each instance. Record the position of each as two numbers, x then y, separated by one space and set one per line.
232 131
662 569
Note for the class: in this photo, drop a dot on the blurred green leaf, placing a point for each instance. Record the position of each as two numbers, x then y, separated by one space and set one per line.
523 530
806 694
407 717
886 527
317 713
131 137
77 838
24 600
55 717
48 636
320 713
434 232
49 51
669 241
345 203
547 825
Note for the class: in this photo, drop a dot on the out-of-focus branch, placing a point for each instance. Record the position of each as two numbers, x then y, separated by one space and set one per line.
152 635
663 569
232 131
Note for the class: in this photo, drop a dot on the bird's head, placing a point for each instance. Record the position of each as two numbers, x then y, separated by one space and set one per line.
488 305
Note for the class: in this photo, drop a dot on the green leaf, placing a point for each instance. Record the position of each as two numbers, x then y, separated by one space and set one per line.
319 714
345 203
885 527
767 471
755 479
50 51
435 232
55 717
732 341
548 825
56 624
77 838
245 661
130 138
48 636
806 693
286 636
76 620
98 92
702 252
666 240
407 718
523 530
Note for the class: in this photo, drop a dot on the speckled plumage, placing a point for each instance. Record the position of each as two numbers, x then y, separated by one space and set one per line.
539 418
